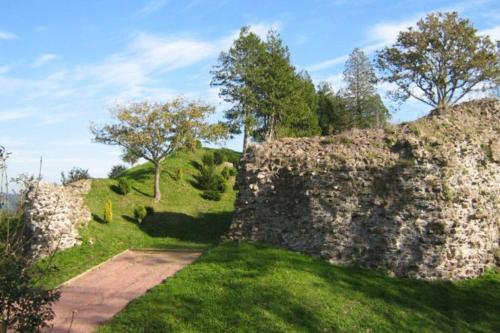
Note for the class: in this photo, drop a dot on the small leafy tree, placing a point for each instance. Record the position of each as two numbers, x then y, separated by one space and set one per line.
116 171
154 131
124 186
74 175
439 61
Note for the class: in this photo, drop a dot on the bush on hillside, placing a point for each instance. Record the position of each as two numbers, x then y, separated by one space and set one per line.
211 195
150 210
116 171
208 159
140 213
73 175
178 174
198 144
108 212
124 186
219 157
225 173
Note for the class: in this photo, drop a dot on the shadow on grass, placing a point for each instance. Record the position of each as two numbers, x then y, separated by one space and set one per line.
142 192
98 219
207 227
249 287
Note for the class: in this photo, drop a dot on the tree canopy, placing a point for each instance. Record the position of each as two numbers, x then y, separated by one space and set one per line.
268 97
154 130
439 61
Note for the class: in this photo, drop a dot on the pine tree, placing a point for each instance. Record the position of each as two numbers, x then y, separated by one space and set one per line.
362 99
237 75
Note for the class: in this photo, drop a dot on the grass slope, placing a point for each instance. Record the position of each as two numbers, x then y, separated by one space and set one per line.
182 219
252 288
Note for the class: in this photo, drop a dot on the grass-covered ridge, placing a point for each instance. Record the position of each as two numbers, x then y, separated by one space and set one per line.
182 219
251 288
255 288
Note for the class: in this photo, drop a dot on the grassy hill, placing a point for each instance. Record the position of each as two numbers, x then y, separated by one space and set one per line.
257 288
182 219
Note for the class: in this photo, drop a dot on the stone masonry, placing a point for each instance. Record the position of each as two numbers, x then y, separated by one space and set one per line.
420 199
53 214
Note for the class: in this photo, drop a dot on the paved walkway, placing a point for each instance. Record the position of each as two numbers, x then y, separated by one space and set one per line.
96 296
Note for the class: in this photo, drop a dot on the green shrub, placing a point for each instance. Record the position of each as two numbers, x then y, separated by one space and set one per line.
220 183
225 173
124 186
208 159
108 212
211 195
116 171
209 180
232 172
74 175
150 210
219 157
140 213
198 144
178 174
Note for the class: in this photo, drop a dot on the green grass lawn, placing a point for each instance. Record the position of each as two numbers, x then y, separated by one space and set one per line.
255 288
251 288
182 219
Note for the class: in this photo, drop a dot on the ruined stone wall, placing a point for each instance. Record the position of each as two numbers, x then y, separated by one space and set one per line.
53 214
421 199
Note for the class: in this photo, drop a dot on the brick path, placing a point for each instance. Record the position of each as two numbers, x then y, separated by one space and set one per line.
97 295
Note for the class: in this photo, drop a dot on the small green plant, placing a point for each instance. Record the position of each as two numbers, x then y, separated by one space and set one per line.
116 171
232 172
211 195
150 210
178 174
225 173
108 212
345 140
448 193
488 152
140 213
327 141
124 186
219 157
208 159
198 144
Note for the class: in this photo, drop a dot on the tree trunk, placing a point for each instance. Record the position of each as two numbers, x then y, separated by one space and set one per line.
442 106
157 181
245 137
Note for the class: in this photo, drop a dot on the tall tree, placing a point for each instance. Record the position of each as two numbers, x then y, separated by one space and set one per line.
237 75
332 112
269 98
154 131
361 96
439 61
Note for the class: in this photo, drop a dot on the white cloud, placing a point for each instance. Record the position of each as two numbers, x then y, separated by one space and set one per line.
494 33
5 35
43 59
327 63
15 114
4 69
152 7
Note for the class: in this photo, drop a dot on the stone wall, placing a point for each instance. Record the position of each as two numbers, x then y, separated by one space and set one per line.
53 214
420 199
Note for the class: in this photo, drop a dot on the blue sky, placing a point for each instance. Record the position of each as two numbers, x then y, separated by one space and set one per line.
64 63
